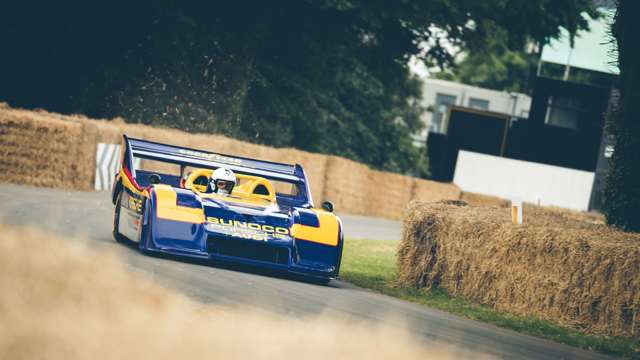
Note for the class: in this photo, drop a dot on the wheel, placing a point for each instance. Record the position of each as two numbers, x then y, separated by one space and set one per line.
340 249
318 281
116 222
145 230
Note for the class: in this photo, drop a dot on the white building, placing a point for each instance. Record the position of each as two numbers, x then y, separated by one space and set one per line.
437 95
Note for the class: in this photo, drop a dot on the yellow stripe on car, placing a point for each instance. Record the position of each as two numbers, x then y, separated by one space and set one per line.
127 184
167 208
326 233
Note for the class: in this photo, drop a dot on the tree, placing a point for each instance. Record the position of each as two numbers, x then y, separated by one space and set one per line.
320 75
495 67
622 193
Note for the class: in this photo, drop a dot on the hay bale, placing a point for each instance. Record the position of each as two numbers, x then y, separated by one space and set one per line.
109 132
432 191
554 267
344 181
38 149
386 194
315 167
483 200
358 189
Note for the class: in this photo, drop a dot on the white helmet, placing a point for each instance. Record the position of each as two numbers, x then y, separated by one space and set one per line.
222 181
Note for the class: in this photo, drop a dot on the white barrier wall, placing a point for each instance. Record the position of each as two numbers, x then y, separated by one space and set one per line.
108 165
528 181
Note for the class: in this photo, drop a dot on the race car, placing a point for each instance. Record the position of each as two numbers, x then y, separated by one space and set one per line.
268 219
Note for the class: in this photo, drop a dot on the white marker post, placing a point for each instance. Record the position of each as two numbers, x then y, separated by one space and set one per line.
516 211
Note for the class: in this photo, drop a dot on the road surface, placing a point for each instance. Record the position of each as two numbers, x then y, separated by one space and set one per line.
89 214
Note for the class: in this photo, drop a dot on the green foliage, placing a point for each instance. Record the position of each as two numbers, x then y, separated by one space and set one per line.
496 67
320 75
497 62
622 193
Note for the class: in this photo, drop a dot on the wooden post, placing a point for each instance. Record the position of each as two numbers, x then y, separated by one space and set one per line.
516 211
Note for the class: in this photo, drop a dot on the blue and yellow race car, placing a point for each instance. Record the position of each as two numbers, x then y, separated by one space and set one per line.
268 219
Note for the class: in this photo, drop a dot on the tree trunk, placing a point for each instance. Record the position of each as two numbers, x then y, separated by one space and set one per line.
622 194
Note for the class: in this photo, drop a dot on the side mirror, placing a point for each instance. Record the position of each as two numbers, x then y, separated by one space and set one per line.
154 179
328 206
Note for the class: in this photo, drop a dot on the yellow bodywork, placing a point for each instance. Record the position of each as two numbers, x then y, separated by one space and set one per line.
326 233
188 183
167 208
127 183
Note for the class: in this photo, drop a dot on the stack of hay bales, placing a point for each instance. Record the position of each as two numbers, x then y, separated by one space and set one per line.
38 149
63 149
559 266
432 191
360 190
356 187
340 176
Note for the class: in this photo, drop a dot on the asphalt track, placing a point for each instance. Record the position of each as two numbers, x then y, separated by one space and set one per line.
89 214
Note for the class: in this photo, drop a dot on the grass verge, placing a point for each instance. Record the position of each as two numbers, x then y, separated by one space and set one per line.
371 264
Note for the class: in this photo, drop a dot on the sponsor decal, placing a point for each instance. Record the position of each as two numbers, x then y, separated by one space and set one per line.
212 157
247 230
134 222
135 204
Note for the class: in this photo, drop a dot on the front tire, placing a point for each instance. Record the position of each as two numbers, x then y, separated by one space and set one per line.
319 281
116 222
145 230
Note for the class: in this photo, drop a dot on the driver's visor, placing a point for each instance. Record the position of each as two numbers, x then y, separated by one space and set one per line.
221 184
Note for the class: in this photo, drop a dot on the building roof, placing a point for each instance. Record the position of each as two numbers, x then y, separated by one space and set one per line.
593 50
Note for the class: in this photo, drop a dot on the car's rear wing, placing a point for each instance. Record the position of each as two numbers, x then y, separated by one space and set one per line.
144 149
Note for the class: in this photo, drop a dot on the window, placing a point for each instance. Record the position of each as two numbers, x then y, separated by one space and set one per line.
442 105
285 188
563 112
479 104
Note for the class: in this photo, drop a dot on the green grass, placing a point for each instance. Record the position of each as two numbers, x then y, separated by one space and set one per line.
372 264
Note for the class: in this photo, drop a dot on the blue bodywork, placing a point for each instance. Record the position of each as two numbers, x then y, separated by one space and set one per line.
225 235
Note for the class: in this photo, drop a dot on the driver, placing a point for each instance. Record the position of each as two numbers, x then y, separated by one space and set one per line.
222 181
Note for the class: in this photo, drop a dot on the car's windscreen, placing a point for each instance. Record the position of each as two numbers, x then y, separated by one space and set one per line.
285 188
289 193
